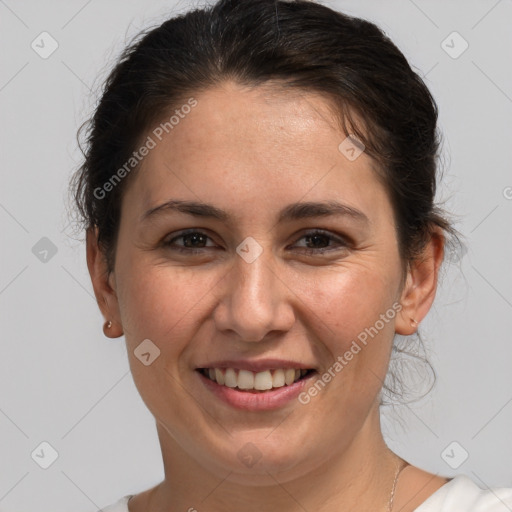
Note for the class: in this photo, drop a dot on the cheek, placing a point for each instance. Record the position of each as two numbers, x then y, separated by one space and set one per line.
163 303
160 304
351 298
356 307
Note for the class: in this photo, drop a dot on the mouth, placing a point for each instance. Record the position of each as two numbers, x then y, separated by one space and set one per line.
256 382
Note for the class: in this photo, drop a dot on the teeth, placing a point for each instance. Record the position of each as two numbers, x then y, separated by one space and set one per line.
261 381
245 379
219 376
230 379
289 376
278 379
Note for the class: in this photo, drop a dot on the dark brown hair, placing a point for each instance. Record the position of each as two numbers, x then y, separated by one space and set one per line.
294 44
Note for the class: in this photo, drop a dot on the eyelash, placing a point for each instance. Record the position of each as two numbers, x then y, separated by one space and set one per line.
308 251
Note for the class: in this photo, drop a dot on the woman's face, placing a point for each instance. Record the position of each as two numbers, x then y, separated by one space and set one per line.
255 288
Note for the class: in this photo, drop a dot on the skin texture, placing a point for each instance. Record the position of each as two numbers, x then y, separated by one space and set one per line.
251 152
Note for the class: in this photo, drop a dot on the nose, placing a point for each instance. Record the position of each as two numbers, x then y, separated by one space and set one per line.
255 301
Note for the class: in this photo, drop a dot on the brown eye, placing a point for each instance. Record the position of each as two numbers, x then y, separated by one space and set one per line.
193 242
318 242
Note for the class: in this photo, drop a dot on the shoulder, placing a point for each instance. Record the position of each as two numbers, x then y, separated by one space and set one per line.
119 506
464 495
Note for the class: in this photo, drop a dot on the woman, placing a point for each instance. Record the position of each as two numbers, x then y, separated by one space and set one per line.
258 192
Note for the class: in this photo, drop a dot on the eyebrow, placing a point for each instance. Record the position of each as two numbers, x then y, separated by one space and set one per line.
295 211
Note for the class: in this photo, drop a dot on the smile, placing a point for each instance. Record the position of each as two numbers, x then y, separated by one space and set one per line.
254 381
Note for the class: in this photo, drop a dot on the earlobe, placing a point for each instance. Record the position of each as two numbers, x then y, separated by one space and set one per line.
421 284
102 284
406 324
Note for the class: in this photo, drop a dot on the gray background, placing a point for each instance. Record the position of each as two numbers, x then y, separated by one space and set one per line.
63 382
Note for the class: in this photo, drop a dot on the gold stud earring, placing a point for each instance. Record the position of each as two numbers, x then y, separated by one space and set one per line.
106 326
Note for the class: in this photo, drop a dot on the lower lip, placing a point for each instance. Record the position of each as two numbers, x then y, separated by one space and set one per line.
261 401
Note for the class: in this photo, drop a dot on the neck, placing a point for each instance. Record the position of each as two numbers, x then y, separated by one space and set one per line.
358 476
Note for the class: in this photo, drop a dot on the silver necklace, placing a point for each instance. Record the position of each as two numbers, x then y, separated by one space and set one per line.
399 469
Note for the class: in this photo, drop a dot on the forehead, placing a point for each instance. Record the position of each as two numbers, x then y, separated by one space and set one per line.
258 146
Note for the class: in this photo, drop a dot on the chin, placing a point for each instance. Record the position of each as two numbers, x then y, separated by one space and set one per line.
254 460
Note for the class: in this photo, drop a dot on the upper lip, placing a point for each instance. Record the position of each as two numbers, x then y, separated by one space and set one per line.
257 365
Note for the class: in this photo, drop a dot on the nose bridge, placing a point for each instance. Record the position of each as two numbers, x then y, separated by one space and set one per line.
254 283
254 302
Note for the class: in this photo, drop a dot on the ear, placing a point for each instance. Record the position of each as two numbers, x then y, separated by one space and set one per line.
103 283
421 285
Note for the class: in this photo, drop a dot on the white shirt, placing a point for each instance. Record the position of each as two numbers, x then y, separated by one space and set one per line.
460 494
